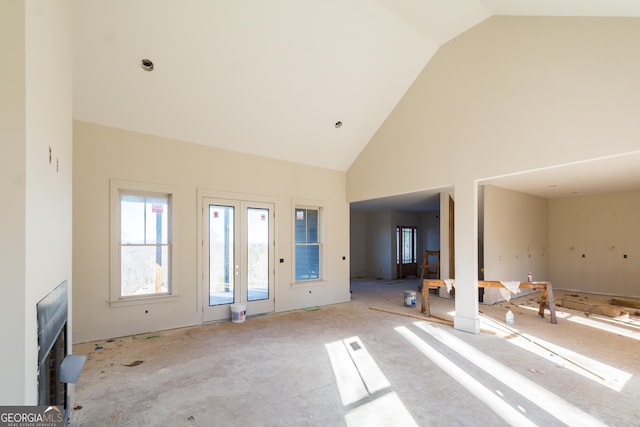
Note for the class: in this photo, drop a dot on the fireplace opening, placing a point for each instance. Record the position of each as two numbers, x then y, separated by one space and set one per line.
56 368
52 391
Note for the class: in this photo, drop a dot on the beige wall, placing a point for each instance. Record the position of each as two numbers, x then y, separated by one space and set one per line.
103 153
358 243
429 232
380 260
36 114
516 229
525 234
371 244
49 111
512 94
12 214
603 228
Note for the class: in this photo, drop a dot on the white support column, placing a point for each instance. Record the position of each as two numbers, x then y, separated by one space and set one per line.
466 256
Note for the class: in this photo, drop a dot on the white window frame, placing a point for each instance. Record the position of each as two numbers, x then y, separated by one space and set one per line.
118 187
320 207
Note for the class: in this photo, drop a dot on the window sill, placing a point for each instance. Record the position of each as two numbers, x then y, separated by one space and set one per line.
309 283
150 299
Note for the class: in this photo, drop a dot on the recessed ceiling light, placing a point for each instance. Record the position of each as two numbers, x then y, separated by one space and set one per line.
147 64
338 124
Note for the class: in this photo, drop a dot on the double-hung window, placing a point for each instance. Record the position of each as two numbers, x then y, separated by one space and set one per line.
144 244
141 241
308 243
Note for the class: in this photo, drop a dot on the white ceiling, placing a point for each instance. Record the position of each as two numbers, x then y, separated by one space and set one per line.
611 174
272 78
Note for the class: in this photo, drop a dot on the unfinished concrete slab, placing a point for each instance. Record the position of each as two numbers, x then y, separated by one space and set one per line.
348 365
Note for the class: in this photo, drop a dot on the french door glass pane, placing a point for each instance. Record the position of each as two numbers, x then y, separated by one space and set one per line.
221 250
257 254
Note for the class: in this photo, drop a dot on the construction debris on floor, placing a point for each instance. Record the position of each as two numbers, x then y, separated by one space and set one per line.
283 370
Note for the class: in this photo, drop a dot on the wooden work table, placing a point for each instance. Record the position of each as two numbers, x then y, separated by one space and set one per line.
545 287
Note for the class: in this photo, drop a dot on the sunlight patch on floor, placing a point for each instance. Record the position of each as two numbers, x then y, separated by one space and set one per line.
585 366
606 327
508 413
386 410
364 388
350 385
622 321
546 400
559 313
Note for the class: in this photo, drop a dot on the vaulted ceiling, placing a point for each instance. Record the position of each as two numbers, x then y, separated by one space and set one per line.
272 78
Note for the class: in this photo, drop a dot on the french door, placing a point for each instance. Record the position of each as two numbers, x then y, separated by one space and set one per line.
406 251
238 266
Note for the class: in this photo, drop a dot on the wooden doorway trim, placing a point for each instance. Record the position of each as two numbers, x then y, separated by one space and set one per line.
452 248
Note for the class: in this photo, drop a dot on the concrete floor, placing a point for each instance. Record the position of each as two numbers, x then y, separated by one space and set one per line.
346 364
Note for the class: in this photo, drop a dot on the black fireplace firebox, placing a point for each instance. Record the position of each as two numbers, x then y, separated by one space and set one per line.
56 368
